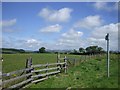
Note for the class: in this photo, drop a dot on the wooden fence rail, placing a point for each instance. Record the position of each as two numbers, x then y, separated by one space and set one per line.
16 72
82 58
31 74
40 65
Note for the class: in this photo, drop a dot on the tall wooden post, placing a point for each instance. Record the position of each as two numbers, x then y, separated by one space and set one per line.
1 85
107 38
108 60
65 60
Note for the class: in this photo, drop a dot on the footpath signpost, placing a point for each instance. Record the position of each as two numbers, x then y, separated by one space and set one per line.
108 59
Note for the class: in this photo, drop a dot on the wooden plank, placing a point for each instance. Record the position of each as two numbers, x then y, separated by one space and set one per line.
40 65
15 72
45 69
41 75
19 77
56 63
21 83
39 80
26 86
0 83
0 74
53 72
61 58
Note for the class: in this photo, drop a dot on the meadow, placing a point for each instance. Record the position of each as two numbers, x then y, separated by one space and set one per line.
88 74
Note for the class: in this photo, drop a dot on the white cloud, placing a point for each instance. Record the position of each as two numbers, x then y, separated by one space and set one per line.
7 23
70 40
100 5
8 26
94 41
89 22
105 6
99 33
61 15
73 39
116 6
32 43
52 28
10 30
72 34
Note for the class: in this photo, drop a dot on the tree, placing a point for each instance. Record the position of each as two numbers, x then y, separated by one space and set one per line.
22 51
81 50
94 49
88 49
75 51
42 50
100 49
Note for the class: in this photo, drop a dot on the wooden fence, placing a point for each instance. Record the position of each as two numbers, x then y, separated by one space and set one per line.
76 61
32 74
39 72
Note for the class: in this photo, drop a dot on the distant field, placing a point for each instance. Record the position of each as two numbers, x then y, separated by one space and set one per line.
88 74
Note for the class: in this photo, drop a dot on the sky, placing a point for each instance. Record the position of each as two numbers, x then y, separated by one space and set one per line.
59 25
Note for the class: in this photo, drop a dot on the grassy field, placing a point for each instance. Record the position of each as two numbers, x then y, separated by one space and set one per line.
88 74
14 62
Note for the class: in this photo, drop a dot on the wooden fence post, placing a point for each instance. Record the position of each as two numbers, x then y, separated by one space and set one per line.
81 59
74 62
58 61
88 57
47 70
58 58
94 56
85 57
28 65
65 60
91 57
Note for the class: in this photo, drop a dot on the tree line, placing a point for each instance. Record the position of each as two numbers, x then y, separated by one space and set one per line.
81 50
87 50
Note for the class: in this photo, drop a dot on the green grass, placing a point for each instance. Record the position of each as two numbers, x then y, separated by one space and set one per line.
88 74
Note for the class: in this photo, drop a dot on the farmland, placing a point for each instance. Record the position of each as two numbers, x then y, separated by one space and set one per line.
88 74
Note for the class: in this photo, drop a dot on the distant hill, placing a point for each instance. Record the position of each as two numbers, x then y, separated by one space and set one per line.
11 50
